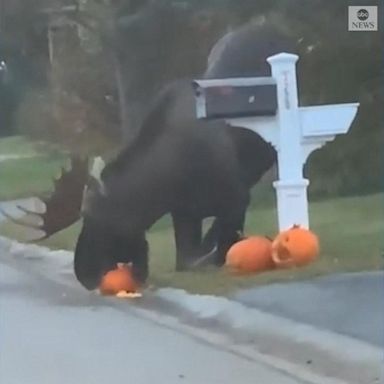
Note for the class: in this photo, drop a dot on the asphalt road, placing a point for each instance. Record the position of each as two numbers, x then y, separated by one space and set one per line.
349 304
52 334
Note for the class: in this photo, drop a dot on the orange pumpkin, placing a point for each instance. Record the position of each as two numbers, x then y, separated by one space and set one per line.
251 255
117 280
295 247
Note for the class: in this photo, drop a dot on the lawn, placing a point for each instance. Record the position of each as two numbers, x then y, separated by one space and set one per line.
31 173
29 176
17 145
350 230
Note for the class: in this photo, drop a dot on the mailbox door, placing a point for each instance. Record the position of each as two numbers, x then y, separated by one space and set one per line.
240 101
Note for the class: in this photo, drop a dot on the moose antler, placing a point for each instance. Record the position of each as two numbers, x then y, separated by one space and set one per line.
63 207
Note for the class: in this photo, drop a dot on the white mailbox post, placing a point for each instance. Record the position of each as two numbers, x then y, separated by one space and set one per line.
295 132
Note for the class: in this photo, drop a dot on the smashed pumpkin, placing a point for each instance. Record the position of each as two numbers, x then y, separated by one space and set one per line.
250 255
295 247
118 280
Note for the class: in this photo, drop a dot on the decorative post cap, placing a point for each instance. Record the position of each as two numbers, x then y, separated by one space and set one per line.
283 58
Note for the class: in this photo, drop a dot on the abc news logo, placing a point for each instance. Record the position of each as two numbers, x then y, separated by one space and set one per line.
363 15
362 18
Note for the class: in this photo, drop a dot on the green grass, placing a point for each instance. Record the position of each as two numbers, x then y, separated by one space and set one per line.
350 231
17 145
27 177
30 174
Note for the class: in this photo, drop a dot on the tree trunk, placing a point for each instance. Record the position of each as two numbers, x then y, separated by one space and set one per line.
130 111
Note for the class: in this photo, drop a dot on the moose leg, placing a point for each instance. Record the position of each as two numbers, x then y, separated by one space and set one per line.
188 233
215 247
229 233
230 227
208 248
209 241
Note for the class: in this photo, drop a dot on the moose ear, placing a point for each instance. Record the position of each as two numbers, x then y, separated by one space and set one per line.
94 179
97 167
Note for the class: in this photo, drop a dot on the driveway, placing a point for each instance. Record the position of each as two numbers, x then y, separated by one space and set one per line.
349 304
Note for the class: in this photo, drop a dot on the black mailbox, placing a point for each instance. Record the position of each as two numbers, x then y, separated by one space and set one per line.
234 98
